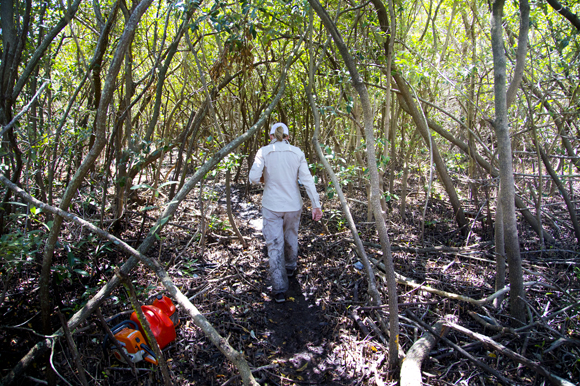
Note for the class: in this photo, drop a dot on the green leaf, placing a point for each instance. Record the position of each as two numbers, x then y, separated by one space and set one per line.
71 259
141 186
81 272
168 183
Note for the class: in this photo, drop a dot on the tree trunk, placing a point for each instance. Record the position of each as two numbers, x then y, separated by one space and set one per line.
100 140
499 250
161 76
528 216
507 184
421 124
569 203
374 180
169 211
372 285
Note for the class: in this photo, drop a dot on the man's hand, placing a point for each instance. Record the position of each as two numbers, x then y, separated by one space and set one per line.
316 214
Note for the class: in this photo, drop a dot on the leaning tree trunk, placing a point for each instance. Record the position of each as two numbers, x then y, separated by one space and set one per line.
169 211
507 184
422 125
374 179
520 204
558 121
569 203
100 141
372 284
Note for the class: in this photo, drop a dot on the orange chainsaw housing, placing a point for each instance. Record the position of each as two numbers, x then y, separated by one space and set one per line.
134 344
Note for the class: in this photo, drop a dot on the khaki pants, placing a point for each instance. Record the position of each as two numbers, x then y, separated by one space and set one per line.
280 230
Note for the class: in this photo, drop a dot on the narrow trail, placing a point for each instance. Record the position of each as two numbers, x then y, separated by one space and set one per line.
295 330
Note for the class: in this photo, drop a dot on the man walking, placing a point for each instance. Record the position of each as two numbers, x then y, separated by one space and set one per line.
280 165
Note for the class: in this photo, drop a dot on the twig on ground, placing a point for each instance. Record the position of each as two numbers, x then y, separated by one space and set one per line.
374 368
38 381
222 344
377 331
405 281
145 369
487 341
252 370
356 318
73 349
489 326
51 362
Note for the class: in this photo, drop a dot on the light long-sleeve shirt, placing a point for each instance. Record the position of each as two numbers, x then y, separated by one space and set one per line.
282 165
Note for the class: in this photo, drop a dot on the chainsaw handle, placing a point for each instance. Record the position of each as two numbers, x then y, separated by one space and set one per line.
124 324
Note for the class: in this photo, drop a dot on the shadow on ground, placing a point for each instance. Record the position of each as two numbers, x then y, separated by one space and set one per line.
298 334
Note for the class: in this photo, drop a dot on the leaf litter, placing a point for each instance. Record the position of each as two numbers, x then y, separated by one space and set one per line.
326 333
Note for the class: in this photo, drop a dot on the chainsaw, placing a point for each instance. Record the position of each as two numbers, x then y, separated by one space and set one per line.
131 342
162 318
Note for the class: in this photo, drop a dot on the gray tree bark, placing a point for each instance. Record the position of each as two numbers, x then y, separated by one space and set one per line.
507 184
520 204
100 141
372 285
421 124
44 345
361 89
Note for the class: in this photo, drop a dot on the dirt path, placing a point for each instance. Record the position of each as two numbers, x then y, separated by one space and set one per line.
295 329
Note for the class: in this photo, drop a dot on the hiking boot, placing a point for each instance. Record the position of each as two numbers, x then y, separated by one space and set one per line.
280 297
290 272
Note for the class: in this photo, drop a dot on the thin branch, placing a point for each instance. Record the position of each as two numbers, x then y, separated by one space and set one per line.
74 350
24 110
565 11
39 52
42 346
487 341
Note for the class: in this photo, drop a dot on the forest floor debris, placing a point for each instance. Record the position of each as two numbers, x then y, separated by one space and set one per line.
313 338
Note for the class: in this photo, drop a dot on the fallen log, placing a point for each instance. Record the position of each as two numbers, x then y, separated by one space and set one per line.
411 367
503 380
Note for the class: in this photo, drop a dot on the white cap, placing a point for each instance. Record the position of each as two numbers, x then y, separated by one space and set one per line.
279 124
